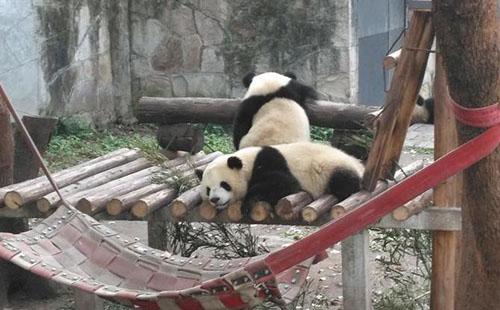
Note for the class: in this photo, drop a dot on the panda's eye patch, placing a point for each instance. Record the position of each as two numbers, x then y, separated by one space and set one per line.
225 186
208 190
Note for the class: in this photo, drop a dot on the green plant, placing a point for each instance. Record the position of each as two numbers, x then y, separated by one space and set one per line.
218 138
406 263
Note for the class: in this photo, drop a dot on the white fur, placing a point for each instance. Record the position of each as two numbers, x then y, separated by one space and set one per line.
420 114
310 163
266 83
278 121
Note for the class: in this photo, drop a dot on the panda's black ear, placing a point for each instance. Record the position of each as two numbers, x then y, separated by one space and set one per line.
247 79
234 162
291 75
420 100
199 173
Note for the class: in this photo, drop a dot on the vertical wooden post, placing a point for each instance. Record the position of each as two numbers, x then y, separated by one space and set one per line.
446 194
356 284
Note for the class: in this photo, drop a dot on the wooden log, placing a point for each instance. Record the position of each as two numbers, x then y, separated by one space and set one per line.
400 101
207 211
124 202
356 199
96 202
183 159
180 137
59 174
260 211
391 60
413 207
24 194
233 212
185 202
25 163
50 201
221 111
317 208
289 207
150 203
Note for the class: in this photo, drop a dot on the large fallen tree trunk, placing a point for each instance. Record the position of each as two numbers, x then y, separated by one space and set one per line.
221 111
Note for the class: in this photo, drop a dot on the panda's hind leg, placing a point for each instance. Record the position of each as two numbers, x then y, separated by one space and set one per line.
343 183
272 187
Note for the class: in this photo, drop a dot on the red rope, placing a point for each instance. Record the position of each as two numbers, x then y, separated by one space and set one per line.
483 117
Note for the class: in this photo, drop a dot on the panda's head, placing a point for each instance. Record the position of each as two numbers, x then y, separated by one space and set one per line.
424 111
223 181
277 85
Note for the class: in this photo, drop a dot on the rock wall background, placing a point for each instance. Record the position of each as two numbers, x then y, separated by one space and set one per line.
95 58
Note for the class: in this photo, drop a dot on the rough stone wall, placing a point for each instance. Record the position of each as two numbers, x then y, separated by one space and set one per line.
203 48
95 58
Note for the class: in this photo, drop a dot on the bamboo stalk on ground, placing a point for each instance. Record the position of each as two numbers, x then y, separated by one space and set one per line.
413 207
288 208
320 206
124 202
185 202
152 202
50 201
60 174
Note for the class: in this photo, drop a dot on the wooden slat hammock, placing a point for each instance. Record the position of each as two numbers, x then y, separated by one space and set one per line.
74 249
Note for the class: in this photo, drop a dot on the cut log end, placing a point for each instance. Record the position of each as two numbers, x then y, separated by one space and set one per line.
178 209
401 214
43 205
234 211
114 207
84 206
337 212
140 209
13 200
261 210
309 215
207 211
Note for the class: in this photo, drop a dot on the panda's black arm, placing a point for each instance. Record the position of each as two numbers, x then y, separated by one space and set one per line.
274 186
244 117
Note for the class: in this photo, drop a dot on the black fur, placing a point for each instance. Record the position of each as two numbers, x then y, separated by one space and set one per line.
234 162
199 173
343 183
428 104
249 107
247 79
271 179
290 75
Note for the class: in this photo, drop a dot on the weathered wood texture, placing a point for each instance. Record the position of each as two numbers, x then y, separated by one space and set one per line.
180 137
393 124
413 207
221 111
391 60
26 165
471 57
445 252
356 284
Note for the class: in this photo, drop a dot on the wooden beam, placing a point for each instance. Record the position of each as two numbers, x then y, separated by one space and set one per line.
221 111
393 124
447 194
356 284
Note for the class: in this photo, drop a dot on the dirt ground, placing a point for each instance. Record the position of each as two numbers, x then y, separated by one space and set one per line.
326 276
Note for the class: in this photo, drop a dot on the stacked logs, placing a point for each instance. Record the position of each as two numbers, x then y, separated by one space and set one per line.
118 182
296 208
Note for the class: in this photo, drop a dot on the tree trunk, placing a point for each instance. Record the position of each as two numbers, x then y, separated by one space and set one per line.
467 33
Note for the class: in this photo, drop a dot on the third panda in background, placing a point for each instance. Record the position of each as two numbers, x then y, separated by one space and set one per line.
424 111
273 111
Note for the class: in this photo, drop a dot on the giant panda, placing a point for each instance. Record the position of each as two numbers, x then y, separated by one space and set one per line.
423 111
272 111
269 173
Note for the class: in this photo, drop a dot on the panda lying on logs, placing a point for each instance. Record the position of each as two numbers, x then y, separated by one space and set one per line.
272 111
269 173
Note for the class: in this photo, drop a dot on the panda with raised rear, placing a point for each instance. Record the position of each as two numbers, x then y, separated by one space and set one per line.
272 111
269 173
